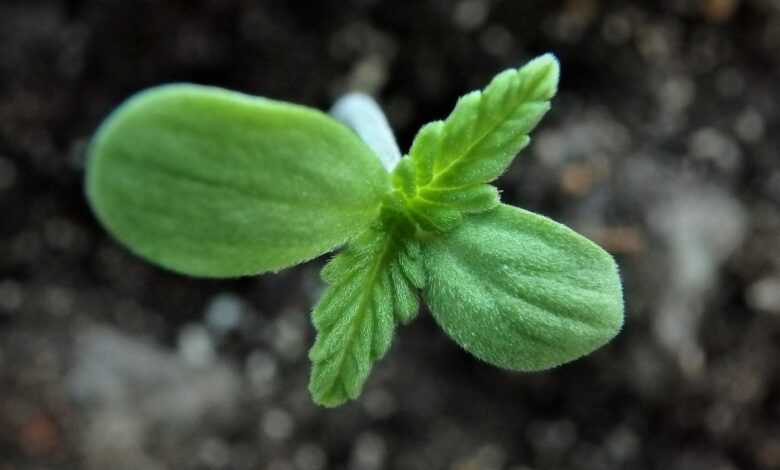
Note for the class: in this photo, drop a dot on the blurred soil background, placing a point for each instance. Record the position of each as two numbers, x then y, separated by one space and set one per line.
662 147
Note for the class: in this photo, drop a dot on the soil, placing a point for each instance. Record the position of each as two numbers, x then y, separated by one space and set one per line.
662 147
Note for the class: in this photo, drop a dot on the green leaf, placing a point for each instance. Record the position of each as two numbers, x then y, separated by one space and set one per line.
450 162
370 291
209 182
522 292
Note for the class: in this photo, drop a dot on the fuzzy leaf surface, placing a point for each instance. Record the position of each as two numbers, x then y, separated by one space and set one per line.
521 291
371 289
445 174
209 182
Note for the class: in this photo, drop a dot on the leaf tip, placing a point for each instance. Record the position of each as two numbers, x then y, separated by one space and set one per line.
548 70
326 399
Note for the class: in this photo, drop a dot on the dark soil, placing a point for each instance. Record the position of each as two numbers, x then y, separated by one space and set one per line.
662 146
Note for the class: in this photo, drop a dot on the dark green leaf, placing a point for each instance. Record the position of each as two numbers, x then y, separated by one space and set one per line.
370 291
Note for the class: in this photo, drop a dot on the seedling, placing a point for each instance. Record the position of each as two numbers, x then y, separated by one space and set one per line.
214 183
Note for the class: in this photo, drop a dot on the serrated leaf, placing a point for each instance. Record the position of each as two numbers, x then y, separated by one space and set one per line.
474 145
520 291
369 293
209 182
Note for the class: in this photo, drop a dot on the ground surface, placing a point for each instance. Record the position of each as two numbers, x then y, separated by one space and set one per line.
662 146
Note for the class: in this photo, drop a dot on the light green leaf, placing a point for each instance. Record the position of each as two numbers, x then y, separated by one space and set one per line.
209 182
520 291
450 162
369 293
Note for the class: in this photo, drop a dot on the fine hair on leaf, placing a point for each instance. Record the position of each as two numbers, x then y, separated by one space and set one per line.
214 183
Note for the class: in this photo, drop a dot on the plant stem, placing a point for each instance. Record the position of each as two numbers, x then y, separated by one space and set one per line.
363 115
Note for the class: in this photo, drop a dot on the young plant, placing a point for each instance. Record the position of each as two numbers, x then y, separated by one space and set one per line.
213 183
